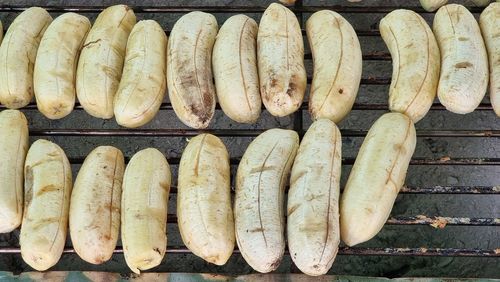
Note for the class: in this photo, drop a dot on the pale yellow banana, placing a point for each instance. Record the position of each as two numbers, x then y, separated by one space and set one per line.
189 68
18 54
146 185
337 65
280 60
101 60
94 215
490 27
415 63
235 69
13 147
260 187
56 62
432 5
204 212
143 83
464 63
376 177
48 183
313 199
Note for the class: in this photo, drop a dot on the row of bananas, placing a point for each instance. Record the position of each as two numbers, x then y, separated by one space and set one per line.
122 69
38 193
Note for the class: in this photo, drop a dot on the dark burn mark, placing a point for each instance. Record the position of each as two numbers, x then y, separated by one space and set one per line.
408 46
292 85
46 189
202 114
276 263
28 186
207 97
291 88
341 91
274 82
157 250
463 65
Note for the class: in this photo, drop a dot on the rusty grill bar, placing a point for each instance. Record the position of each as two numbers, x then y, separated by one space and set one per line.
254 132
443 252
299 9
304 107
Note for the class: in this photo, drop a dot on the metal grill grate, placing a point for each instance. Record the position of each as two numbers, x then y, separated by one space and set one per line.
299 123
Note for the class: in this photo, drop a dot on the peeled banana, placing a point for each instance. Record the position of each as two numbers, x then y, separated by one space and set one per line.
416 63
189 68
280 60
146 185
18 54
235 69
490 23
432 5
313 199
258 207
337 65
56 62
13 147
101 60
94 217
143 83
47 180
376 177
464 63
204 212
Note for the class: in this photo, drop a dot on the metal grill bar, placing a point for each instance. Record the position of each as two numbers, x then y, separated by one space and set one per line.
437 221
224 9
350 161
359 32
428 252
441 221
243 133
456 190
451 190
304 106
